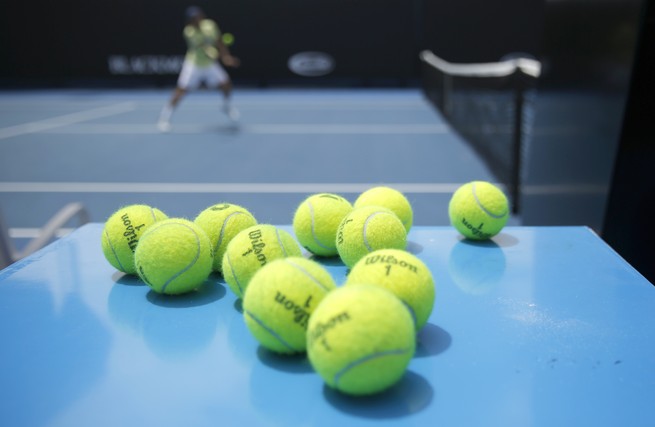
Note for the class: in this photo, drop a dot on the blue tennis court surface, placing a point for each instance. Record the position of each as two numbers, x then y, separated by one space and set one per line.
102 148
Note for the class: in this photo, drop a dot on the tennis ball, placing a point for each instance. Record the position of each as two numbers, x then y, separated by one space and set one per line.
478 210
401 273
228 39
279 300
367 229
222 222
253 248
174 256
391 199
360 339
122 232
316 221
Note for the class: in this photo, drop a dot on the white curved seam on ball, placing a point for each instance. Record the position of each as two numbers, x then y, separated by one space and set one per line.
279 241
152 212
270 331
308 274
318 242
111 246
485 210
221 234
366 358
191 264
368 247
234 274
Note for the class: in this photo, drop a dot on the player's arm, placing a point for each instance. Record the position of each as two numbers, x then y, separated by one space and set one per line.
225 56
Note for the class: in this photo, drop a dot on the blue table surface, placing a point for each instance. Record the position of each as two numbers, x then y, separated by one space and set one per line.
543 326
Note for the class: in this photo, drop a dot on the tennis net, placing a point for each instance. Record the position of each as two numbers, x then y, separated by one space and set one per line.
489 105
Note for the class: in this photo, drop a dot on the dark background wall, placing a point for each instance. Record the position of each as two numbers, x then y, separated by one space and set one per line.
372 41
627 224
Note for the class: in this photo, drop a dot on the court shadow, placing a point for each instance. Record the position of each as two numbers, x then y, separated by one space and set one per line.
432 340
410 395
208 293
289 363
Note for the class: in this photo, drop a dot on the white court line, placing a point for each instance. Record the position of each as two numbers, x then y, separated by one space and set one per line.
200 187
32 233
66 120
280 129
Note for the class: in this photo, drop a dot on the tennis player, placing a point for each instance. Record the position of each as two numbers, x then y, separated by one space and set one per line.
204 48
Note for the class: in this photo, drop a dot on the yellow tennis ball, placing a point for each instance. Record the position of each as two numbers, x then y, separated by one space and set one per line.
367 229
279 300
316 221
252 249
391 199
174 256
228 39
401 273
360 339
222 222
478 210
122 232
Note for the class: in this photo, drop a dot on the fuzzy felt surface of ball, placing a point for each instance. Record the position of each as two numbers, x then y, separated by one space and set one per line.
367 229
316 221
478 210
279 300
360 339
221 222
402 273
174 256
122 231
253 248
391 199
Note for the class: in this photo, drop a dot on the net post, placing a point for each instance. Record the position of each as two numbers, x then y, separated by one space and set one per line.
517 143
524 82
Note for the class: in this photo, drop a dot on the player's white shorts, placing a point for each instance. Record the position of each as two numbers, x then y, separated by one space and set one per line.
191 75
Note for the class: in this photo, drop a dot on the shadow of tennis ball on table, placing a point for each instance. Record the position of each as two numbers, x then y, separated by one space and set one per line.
412 394
476 266
291 363
432 340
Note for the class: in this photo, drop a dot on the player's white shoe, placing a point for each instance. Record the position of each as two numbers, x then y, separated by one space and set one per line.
231 112
164 126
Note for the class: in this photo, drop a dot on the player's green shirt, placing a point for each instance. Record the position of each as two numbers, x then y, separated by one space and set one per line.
201 42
